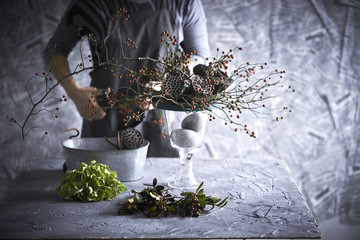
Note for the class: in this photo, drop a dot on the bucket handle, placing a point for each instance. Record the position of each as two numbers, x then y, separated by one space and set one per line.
72 129
72 136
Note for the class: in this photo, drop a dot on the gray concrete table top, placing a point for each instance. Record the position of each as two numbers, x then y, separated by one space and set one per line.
264 203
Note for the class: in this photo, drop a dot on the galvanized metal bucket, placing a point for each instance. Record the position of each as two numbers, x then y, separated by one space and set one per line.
128 163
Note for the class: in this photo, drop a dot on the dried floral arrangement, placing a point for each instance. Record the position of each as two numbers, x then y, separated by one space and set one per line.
217 88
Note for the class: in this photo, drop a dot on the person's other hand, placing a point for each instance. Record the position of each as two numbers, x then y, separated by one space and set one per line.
85 102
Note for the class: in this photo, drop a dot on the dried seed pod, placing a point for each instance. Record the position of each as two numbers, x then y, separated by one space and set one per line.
200 85
131 138
222 82
219 79
173 85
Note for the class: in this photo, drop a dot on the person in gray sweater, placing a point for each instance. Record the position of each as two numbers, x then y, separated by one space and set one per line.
148 19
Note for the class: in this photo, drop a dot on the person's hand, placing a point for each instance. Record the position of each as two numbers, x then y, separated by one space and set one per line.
85 102
83 97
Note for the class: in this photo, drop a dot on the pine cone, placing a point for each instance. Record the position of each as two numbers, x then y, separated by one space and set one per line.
131 138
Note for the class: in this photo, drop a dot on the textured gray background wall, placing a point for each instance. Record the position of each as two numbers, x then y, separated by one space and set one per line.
317 42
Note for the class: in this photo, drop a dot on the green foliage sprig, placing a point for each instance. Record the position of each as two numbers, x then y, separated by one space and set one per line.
90 183
155 202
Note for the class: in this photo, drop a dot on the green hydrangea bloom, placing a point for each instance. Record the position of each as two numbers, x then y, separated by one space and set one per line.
90 183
